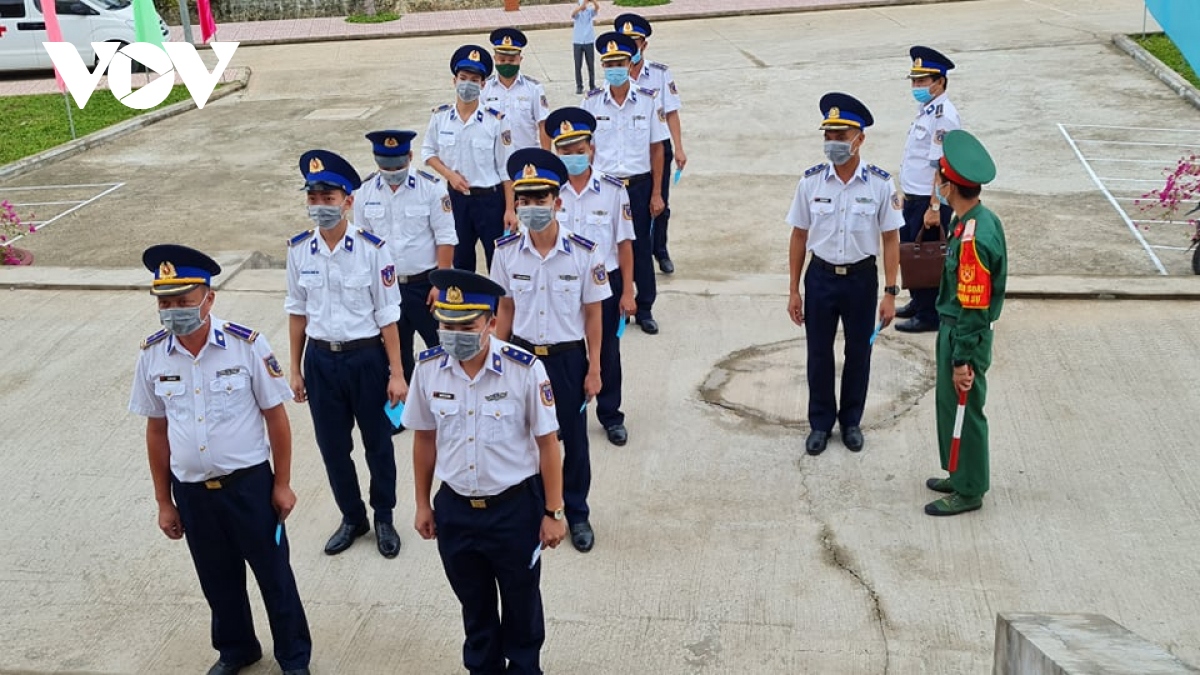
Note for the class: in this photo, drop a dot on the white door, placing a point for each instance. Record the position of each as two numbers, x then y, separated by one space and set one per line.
18 48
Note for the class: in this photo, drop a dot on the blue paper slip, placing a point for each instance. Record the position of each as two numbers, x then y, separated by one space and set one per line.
876 333
621 325
678 173
394 414
278 532
537 553
583 407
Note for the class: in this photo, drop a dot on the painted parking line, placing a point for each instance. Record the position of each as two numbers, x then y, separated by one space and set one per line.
98 191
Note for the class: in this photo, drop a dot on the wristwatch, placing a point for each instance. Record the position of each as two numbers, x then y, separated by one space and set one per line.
891 290
935 206
557 514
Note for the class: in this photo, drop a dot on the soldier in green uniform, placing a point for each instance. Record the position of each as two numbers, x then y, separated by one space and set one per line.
969 301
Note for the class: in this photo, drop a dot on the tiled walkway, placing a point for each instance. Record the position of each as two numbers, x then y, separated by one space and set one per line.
457 21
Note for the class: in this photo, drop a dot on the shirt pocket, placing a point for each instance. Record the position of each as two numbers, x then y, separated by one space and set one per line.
920 132
820 212
567 298
228 394
862 216
521 288
448 417
358 290
498 422
639 123
483 149
375 214
598 228
416 219
174 398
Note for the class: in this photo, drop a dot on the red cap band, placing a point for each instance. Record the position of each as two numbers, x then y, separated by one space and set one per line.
953 176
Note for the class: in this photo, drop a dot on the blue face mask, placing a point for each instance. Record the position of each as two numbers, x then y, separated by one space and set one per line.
637 58
616 76
922 94
576 164
939 195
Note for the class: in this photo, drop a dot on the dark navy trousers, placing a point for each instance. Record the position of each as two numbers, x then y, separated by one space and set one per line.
643 246
415 318
828 299
226 529
608 402
345 388
567 371
663 219
923 299
486 554
476 218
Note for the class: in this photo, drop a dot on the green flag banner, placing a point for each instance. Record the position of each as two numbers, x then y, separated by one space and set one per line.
145 22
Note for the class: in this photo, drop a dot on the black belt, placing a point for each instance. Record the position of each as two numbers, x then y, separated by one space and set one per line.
345 346
913 198
634 180
413 278
492 500
476 191
867 263
546 350
225 481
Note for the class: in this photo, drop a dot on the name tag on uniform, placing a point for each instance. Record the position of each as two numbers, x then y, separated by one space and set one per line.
445 396
568 277
599 213
603 118
522 277
823 200
168 378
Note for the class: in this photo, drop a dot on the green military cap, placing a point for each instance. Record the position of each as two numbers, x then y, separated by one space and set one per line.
965 161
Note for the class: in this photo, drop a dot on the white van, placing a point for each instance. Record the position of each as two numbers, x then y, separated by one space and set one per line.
23 29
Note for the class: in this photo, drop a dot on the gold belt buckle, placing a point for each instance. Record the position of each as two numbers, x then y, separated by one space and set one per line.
335 346
541 350
840 270
212 484
478 503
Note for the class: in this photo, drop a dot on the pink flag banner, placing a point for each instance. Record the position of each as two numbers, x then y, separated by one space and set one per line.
208 26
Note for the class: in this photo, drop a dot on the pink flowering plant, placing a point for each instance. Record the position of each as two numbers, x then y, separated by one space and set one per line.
12 228
1181 190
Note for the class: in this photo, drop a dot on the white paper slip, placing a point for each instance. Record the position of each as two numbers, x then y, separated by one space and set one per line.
537 553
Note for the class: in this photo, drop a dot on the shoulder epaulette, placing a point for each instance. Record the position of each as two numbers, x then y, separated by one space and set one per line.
878 172
375 241
442 107
519 355
428 176
300 238
815 169
507 239
597 90
366 179
532 80
240 332
155 339
614 180
430 353
583 241
647 91
496 113
656 65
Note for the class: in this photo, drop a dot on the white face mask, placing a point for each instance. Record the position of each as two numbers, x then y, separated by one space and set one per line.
182 320
325 217
461 345
468 91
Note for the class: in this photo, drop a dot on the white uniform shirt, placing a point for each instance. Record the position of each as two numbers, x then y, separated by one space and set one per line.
624 132
213 401
524 105
923 148
657 77
414 219
477 147
549 293
845 220
347 293
485 425
600 214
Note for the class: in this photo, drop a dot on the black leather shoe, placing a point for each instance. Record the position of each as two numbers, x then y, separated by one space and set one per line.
665 264
345 535
649 326
387 539
816 442
907 311
617 434
915 325
852 438
222 668
582 537
297 671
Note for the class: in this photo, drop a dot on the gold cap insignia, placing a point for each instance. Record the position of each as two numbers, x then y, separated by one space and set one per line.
611 47
835 113
166 270
390 142
474 55
628 27
315 165
454 295
507 41
565 127
530 171
917 63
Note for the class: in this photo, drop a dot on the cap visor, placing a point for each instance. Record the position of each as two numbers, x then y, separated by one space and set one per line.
160 291
456 316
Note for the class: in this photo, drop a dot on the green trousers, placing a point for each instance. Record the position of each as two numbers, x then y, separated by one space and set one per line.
971 477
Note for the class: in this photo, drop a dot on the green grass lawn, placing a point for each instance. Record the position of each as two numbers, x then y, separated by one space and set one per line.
639 3
382 17
39 122
1161 47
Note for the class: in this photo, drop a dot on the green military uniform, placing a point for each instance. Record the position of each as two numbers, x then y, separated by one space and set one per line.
970 298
